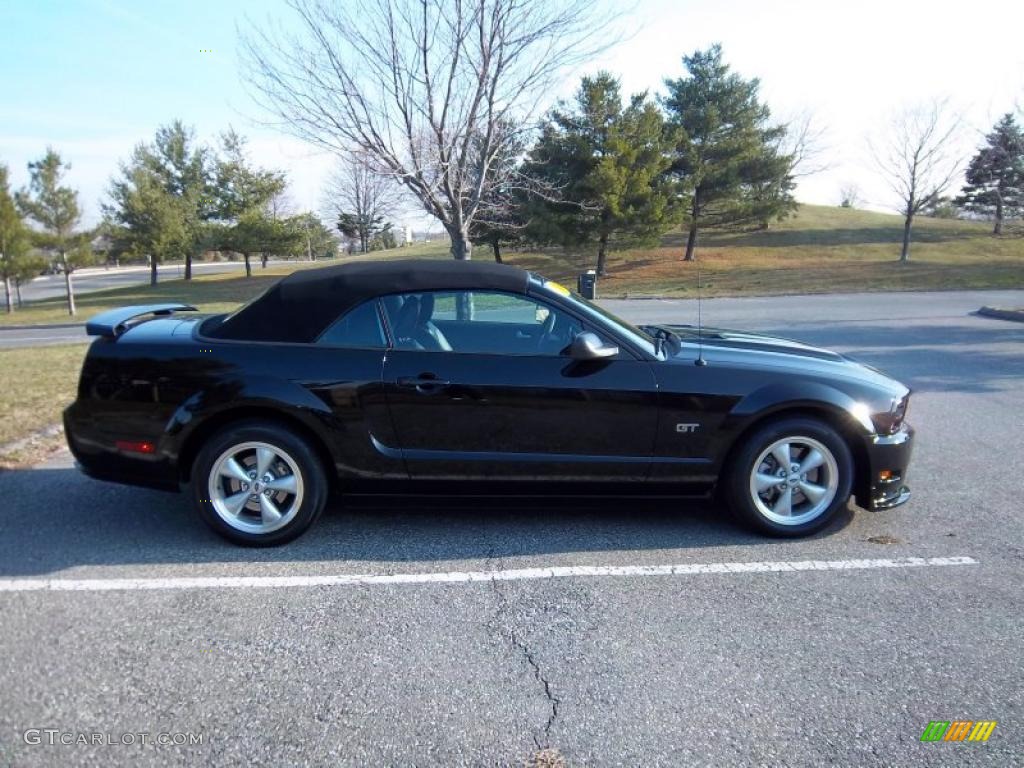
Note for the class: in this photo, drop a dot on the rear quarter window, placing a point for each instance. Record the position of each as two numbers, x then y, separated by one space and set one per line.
359 328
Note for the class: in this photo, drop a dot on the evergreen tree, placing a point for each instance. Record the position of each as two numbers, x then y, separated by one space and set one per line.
314 239
244 193
14 239
610 164
55 208
728 153
995 176
163 199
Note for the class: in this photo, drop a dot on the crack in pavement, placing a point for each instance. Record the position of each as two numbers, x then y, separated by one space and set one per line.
524 650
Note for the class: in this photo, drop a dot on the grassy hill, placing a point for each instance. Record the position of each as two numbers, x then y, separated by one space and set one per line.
820 250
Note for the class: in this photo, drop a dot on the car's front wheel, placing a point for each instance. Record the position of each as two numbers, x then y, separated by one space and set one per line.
790 477
257 483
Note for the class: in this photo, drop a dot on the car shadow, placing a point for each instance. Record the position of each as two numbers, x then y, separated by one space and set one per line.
60 519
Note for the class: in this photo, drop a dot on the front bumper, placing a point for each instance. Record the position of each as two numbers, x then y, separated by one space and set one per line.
888 459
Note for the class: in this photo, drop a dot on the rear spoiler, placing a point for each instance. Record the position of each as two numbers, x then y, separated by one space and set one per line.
115 321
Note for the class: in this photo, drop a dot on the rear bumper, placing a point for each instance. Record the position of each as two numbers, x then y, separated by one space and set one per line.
888 457
97 456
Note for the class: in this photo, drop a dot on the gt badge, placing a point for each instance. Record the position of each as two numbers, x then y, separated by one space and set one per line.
687 427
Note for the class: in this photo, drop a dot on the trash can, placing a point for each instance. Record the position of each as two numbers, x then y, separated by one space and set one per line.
587 284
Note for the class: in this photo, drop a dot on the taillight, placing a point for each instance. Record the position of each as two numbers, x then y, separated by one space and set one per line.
132 446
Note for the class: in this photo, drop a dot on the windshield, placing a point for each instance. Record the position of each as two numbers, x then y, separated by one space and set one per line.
601 316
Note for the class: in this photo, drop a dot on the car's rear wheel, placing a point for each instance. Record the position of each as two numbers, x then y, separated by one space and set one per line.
790 477
258 484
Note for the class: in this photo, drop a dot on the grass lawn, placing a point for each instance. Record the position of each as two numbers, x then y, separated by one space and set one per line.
820 250
36 384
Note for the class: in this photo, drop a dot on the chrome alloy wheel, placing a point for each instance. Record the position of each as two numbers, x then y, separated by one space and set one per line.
794 480
255 487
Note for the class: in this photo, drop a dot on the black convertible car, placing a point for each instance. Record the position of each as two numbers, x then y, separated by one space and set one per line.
410 376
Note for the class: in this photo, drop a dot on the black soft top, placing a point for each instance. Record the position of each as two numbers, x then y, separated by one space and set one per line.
300 306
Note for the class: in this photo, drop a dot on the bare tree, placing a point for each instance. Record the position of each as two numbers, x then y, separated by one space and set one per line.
421 86
804 142
849 196
360 199
918 160
281 205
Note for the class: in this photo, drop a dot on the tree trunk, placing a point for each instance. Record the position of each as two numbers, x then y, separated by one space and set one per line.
68 287
999 219
602 252
462 248
7 294
188 266
152 270
496 246
17 290
263 259
691 241
248 266
907 224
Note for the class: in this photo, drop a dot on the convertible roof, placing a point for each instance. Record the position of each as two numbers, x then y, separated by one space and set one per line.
300 306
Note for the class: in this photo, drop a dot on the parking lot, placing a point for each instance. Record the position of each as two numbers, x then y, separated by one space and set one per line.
611 632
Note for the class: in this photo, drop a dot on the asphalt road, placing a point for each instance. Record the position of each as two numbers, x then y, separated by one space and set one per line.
86 281
99 279
713 665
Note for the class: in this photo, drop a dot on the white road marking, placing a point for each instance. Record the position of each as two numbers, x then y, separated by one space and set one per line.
554 572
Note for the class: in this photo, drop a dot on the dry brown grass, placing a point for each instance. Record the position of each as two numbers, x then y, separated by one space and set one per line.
821 250
547 758
36 384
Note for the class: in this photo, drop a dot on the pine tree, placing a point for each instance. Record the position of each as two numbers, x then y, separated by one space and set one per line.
995 176
728 152
54 208
244 192
162 200
610 162
14 238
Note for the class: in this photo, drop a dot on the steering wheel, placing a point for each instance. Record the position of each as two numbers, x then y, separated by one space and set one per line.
546 330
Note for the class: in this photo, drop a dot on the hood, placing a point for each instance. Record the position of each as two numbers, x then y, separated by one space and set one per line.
730 347
758 342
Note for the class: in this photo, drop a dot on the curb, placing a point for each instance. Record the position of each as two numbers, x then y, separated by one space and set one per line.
1014 315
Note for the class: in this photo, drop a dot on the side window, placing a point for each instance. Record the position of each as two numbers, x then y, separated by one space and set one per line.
358 328
480 322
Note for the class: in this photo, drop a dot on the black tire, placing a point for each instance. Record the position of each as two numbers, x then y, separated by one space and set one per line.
292 451
737 489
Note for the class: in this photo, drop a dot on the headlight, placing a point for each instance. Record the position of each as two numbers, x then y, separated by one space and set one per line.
891 422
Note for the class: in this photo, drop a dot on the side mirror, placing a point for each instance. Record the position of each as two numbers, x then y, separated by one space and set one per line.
588 346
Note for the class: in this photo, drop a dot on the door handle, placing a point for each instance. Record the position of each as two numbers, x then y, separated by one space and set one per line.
425 382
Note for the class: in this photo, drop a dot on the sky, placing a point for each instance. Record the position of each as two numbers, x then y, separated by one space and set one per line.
93 78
